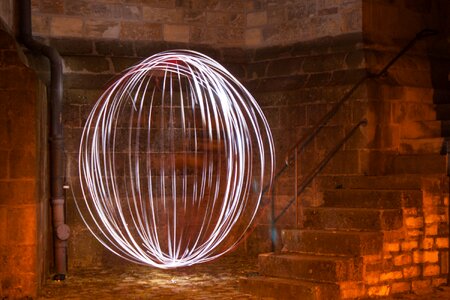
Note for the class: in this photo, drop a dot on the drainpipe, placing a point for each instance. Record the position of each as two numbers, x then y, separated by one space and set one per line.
60 229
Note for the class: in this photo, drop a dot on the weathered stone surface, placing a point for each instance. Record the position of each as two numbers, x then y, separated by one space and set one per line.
102 29
66 26
68 46
282 288
141 31
332 242
86 64
115 48
309 267
352 219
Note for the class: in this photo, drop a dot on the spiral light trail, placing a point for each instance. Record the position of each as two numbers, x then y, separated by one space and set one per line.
172 161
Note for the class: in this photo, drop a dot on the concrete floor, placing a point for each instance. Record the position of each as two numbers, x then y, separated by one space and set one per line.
214 280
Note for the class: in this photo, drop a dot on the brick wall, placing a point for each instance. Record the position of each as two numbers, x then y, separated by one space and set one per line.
250 23
23 203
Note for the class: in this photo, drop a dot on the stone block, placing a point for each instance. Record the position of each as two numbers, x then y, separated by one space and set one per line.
169 15
431 270
122 63
131 12
87 81
379 291
284 67
51 7
86 64
41 24
328 242
257 18
298 266
253 37
402 259
4 164
442 243
256 70
409 245
66 26
421 286
23 163
21 223
17 192
68 46
176 33
141 31
102 29
411 271
324 63
425 256
400 287
391 276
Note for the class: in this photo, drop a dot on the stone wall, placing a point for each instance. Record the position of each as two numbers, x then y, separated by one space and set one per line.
23 185
250 23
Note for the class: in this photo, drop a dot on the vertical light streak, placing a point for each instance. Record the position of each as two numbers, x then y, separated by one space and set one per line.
167 160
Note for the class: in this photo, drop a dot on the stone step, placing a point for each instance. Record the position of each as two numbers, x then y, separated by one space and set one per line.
381 199
417 164
394 182
422 146
327 242
319 268
288 289
352 218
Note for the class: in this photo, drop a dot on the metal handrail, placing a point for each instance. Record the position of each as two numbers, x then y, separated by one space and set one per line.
310 177
304 141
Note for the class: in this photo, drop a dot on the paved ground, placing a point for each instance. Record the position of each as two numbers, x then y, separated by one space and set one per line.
214 280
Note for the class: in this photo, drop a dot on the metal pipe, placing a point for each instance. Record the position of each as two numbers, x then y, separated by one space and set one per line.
61 230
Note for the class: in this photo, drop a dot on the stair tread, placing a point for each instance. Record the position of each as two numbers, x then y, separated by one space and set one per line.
309 256
285 288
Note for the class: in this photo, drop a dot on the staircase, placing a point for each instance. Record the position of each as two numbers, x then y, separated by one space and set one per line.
325 259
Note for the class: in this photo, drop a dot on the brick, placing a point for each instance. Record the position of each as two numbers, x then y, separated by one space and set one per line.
435 282
86 64
66 26
431 229
400 287
284 67
102 29
41 24
168 15
391 276
115 48
410 245
421 286
176 33
323 63
431 270
411 271
430 219
427 243
425 256
140 31
372 277
403 259
68 46
412 222
442 242
382 290
391 247
51 6
122 63
253 37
